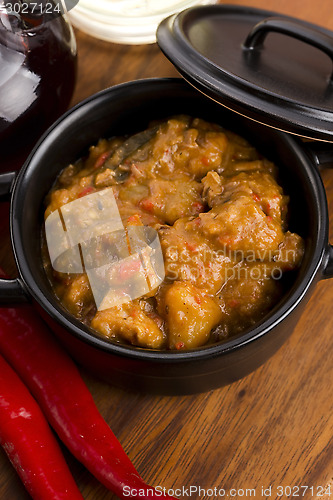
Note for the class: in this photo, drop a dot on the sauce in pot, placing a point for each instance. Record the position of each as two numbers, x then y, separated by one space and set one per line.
220 218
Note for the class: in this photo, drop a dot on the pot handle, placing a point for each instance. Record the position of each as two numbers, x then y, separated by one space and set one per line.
299 30
321 153
11 290
6 183
328 266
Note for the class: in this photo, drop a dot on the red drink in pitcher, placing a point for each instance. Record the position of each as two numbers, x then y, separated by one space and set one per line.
37 74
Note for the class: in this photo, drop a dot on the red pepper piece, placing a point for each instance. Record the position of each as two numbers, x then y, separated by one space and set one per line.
147 205
197 206
134 220
205 160
29 442
101 159
191 247
86 190
55 382
233 303
129 269
256 197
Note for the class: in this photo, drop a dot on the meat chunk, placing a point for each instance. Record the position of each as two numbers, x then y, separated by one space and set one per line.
240 225
290 252
170 200
212 188
250 291
129 322
210 154
189 256
77 295
261 186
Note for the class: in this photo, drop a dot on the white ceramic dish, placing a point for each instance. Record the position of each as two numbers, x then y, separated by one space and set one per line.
126 21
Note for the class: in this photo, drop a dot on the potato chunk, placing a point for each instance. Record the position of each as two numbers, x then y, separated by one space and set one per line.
190 315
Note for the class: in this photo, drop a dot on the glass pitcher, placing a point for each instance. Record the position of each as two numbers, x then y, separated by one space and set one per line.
37 74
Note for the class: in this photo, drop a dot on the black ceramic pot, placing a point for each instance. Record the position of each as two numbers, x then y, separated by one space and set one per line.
125 109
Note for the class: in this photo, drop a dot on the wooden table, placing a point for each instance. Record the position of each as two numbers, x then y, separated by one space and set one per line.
274 427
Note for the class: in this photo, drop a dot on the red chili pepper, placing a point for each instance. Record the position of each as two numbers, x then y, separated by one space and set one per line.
29 442
55 382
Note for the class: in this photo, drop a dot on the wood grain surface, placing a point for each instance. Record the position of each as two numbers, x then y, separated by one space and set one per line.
272 428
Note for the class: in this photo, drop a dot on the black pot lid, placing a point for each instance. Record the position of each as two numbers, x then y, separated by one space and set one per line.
272 68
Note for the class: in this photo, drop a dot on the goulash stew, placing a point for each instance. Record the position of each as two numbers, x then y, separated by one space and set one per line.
197 195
